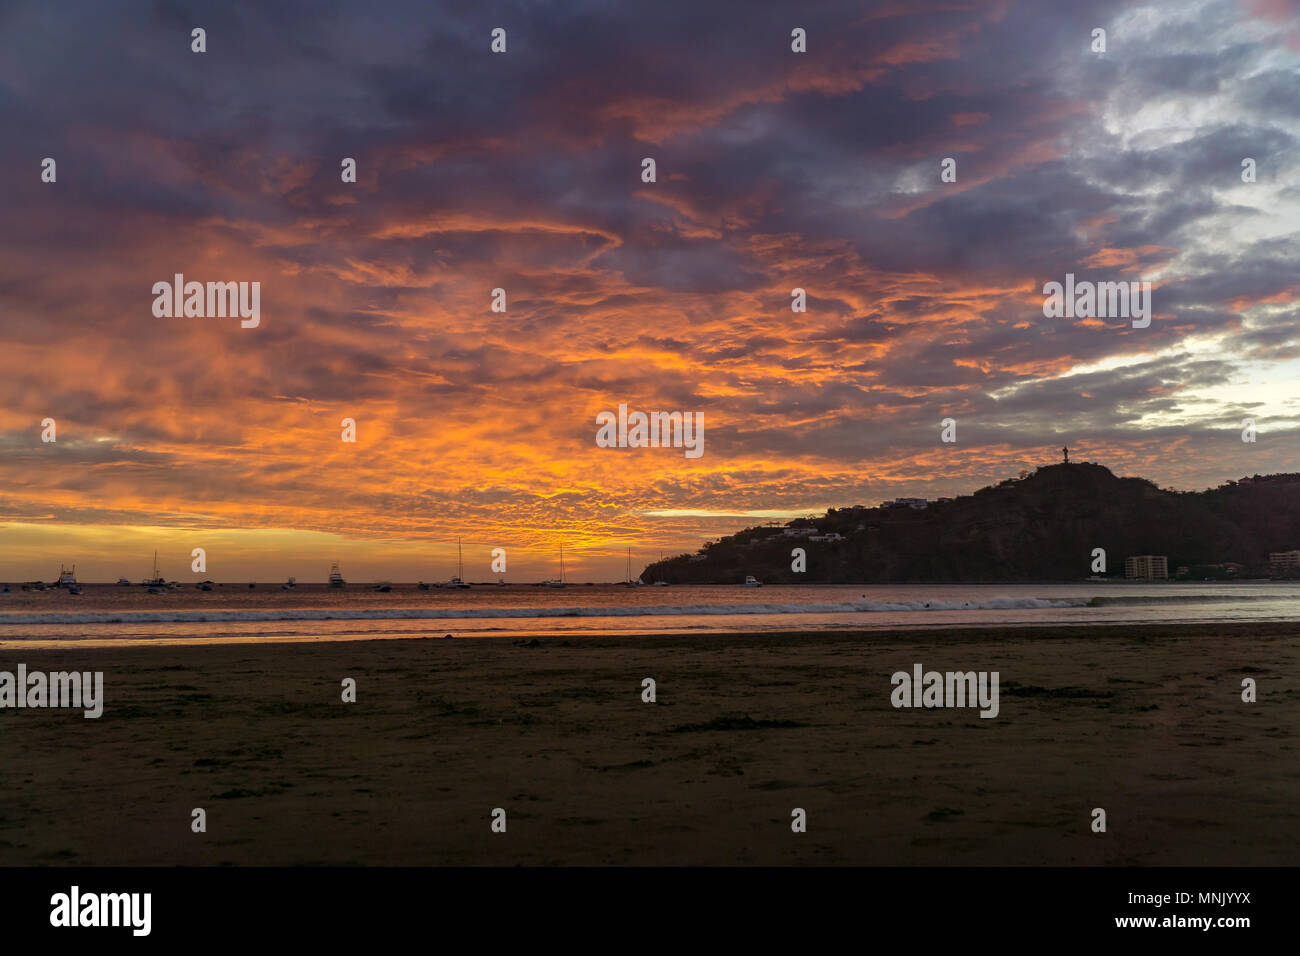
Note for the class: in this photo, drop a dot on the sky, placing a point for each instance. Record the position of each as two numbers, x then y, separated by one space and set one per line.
523 171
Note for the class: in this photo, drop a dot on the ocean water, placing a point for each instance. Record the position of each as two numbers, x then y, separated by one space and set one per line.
106 615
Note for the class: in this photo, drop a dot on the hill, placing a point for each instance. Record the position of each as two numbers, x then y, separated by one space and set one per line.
1040 527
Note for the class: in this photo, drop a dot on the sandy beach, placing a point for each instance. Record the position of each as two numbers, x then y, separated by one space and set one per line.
1146 722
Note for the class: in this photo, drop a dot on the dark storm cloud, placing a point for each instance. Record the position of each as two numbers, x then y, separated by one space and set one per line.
522 172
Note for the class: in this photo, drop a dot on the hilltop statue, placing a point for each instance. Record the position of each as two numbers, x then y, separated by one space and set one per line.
1066 452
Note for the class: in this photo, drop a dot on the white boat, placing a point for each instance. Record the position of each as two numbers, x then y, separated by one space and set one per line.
123 582
67 579
336 577
659 584
558 582
458 580
157 581
752 582
629 583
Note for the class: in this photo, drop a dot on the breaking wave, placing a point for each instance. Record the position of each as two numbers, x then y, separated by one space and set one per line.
433 614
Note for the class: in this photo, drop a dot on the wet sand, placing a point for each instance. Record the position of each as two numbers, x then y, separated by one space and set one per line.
1146 722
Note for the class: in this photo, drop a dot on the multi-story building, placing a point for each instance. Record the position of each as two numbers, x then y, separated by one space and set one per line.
1284 560
1146 567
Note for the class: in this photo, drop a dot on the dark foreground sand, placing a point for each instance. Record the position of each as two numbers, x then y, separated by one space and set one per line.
1145 722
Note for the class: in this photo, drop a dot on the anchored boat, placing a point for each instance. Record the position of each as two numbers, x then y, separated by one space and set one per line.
458 580
558 582
157 581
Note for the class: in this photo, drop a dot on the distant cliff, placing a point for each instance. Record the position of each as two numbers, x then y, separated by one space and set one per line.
1041 527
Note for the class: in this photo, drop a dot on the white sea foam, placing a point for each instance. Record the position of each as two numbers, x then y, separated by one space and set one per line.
433 614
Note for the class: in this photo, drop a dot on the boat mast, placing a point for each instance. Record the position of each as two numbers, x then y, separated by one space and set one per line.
460 564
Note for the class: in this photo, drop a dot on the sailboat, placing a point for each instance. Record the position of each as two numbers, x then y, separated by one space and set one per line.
457 581
629 583
156 584
558 582
660 583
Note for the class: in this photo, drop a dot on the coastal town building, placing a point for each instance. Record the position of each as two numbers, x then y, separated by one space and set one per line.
1146 567
1284 560
917 504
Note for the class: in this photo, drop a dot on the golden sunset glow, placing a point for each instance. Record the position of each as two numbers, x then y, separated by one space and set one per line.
774 172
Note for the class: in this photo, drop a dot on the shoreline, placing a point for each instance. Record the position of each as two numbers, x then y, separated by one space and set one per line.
361 586
655 639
